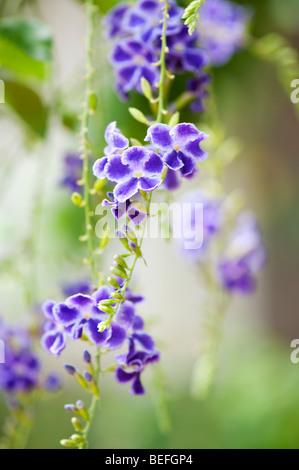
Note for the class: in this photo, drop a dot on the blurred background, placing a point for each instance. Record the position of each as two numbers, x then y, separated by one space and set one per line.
254 402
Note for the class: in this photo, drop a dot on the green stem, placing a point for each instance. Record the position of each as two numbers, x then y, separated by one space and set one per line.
85 144
162 64
94 402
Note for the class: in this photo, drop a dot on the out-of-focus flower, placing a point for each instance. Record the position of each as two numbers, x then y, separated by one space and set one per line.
244 256
197 86
133 59
72 172
222 28
183 53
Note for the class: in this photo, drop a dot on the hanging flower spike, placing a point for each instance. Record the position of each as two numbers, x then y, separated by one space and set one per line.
179 145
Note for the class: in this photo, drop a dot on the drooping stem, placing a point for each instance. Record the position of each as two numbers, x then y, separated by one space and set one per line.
84 142
165 9
94 402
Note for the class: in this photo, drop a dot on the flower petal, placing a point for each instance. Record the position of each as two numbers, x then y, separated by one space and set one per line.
65 315
123 377
159 135
126 189
99 168
173 161
116 170
154 165
94 335
117 338
125 315
149 184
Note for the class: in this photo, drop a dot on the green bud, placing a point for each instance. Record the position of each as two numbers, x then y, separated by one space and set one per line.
130 233
77 438
120 261
113 282
117 295
68 443
119 272
99 184
102 326
77 199
77 424
93 102
81 381
105 308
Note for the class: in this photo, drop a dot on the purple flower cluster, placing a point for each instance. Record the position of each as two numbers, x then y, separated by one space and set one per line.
140 167
137 32
21 371
203 218
222 29
80 314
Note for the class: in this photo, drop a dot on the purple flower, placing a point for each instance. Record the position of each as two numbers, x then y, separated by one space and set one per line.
137 168
244 256
114 21
136 361
55 333
81 311
133 59
143 20
117 142
20 373
197 86
222 29
179 145
184 55
72 173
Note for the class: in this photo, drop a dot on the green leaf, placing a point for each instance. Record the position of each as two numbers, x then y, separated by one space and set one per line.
28 106
15 59
25 46
146 88
174 120
138 115
30 35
